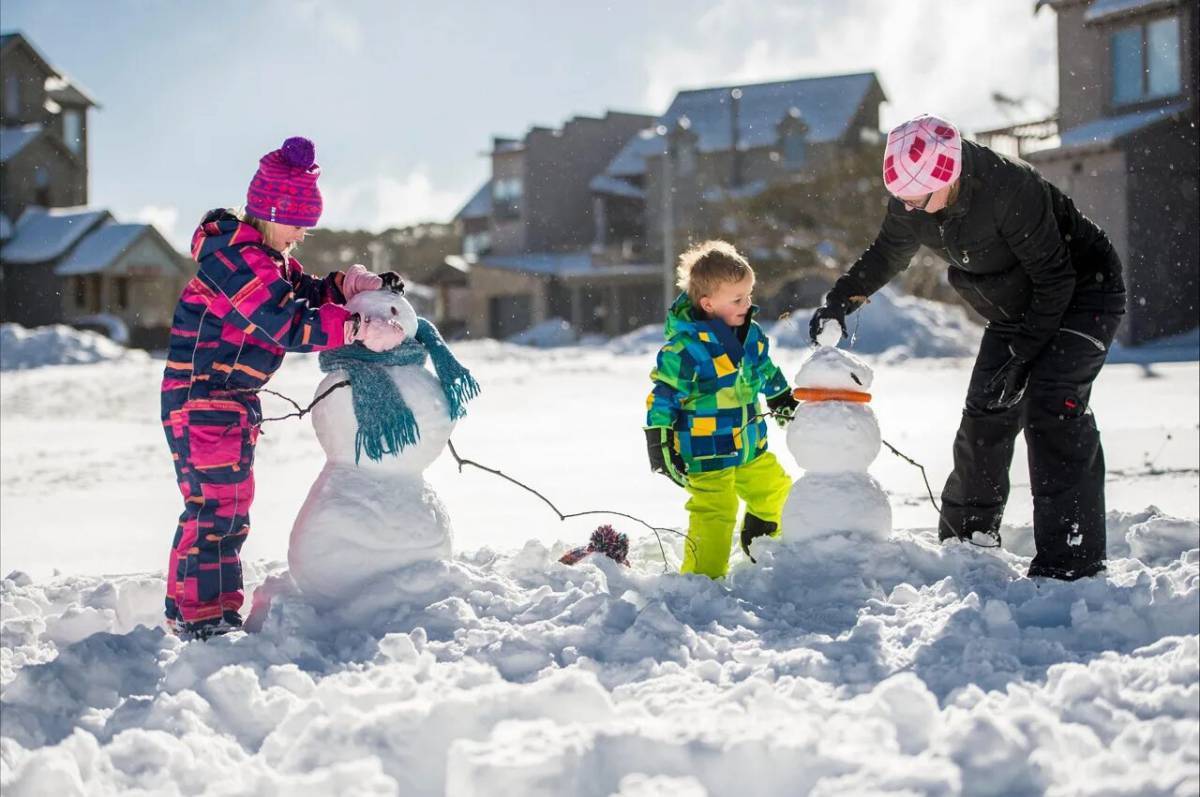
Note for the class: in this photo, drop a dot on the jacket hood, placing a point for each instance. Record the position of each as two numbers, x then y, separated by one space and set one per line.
220 229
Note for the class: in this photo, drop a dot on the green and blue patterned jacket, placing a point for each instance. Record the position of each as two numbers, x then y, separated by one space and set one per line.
706 386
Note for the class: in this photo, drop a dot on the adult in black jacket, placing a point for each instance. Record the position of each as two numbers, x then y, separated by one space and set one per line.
1049 283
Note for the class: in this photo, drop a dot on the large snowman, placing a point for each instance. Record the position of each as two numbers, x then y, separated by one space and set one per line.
834 436
365 517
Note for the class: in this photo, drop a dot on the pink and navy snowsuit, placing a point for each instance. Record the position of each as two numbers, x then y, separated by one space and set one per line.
246 307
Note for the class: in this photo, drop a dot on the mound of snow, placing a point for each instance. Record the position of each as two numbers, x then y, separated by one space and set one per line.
1183 347
22 348
895 325
841 665
548 334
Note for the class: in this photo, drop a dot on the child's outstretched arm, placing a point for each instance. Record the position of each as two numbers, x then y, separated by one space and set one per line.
775 387
251 292
316 290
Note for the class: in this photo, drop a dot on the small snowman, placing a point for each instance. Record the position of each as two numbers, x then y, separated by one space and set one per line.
366 516
834 436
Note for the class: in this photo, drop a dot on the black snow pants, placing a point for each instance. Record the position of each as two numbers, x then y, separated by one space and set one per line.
1066 461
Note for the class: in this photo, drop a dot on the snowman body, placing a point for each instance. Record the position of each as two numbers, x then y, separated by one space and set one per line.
834 441
364 519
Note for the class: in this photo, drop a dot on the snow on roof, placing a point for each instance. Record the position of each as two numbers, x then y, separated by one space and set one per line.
101 248
1103 132
42 235
563 264
615 186
68 92
825 104
1106 9
15 139
6 228
479 206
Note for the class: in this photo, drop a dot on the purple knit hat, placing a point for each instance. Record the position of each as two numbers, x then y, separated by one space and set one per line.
284 188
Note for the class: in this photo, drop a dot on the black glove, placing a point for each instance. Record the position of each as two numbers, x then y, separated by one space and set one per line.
392 281
782 406
1009 383
833 310
664 458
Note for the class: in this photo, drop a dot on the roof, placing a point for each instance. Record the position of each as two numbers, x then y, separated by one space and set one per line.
479 205
101 248
43 235
825 104
15 37
1106 132
564 264
15 139
615 186
67 92
1103 10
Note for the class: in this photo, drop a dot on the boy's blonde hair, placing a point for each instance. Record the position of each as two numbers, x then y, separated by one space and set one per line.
706 266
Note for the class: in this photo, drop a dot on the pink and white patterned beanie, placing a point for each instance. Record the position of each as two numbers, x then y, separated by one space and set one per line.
923 155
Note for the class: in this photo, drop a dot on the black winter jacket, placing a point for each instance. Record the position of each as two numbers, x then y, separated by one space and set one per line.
1019 251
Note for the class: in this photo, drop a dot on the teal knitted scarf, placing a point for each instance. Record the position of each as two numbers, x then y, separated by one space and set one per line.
385 423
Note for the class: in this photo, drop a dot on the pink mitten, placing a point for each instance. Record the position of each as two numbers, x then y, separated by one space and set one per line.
357 279
377 334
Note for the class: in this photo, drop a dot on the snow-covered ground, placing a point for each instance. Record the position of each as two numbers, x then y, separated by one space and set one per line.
844 666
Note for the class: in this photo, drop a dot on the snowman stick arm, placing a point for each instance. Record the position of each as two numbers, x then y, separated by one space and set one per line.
564 516
300 411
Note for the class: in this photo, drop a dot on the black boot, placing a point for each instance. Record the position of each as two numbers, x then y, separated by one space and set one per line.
754 526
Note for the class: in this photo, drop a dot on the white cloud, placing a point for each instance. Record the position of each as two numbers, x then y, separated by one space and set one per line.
935 56
164 218
328 20
382 201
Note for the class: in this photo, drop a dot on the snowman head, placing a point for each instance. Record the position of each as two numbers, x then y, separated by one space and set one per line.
388 304
835 369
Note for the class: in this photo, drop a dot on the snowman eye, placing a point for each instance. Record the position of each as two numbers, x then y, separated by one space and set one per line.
395 311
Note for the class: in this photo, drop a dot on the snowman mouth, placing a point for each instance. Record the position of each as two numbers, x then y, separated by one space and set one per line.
830 394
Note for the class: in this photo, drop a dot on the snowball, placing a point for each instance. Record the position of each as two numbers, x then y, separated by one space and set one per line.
821 504
826 436
827 367
831 333
385 303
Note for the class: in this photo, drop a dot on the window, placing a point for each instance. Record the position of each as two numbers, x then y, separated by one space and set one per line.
73 130
795 149
121 286
477 243
1146 61
12 95
506 198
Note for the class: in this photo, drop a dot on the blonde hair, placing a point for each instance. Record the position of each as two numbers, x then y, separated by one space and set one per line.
263 227
706 266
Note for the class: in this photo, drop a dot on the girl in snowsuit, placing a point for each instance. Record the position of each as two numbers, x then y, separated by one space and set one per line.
249 303
1049 283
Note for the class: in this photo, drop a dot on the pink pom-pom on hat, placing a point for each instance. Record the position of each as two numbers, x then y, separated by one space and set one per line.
284 188
923 155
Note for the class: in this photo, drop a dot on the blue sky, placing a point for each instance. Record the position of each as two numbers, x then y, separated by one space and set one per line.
402 98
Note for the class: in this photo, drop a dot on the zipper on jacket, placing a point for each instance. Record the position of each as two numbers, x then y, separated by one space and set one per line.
966 259
1094 341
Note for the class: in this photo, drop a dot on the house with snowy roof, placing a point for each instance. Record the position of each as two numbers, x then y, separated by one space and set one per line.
1127 148
61 261
527 238
730 142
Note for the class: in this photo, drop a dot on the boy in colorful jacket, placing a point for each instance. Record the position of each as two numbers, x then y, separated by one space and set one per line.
704 429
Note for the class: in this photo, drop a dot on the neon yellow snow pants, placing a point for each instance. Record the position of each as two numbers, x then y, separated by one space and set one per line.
713 508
